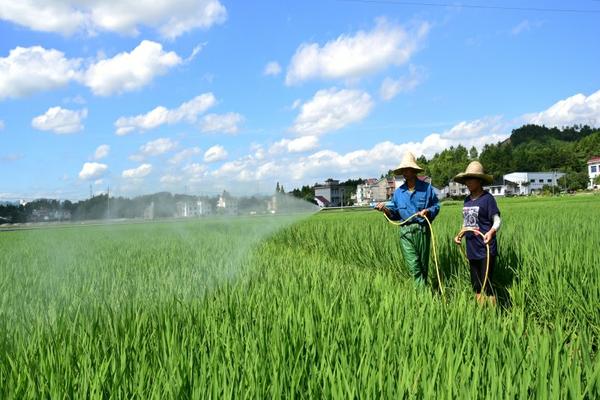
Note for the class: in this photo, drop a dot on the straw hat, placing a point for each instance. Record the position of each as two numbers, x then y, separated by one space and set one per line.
474 170
408 161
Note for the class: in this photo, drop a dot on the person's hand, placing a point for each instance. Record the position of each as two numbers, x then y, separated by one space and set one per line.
488 236
423 213
458 239
380 206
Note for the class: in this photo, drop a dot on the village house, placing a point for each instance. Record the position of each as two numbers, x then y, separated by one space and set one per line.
593 171
188 209
331 194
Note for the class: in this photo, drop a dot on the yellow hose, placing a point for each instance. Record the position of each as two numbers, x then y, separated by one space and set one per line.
433 243
487 258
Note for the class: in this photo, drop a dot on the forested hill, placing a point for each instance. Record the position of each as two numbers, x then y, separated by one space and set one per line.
530 148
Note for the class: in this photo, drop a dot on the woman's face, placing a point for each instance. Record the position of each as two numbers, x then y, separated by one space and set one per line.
473 184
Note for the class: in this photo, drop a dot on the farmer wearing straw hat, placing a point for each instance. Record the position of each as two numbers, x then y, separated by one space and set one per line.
480 213
413 197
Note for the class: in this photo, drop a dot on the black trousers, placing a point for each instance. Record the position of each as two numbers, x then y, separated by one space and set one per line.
478 275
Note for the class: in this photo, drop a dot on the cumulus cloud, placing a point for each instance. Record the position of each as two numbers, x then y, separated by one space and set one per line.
101 152
130 71
92 171
184 155
392 87
137 173
170 179
195 172
170 17
577 109
188 111
29 70
352 56
157 147
60 120
222 123
215 153
330 110
272 68
361 162
301 144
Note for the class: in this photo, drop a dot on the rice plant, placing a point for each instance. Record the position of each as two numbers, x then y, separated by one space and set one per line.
281 307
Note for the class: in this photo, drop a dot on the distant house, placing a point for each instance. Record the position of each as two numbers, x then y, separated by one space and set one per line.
227 204
364 192
188 209
322 201
333 192
526 183
593 171
455 189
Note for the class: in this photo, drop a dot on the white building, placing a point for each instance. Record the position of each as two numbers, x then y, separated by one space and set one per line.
454 189
593 171
526 183
187 209
364 192
227 205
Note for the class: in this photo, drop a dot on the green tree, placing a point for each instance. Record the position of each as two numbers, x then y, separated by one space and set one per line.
473 155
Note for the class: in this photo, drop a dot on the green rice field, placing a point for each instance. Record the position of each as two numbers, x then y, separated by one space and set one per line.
305 306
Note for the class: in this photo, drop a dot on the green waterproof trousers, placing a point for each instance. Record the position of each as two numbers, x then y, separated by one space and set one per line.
415 240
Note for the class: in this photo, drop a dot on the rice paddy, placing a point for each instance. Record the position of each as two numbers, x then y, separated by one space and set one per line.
289 307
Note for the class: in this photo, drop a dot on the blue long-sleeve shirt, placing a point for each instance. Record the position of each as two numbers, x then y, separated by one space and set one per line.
406 203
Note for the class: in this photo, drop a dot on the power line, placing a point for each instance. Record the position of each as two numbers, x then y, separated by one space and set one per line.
476 6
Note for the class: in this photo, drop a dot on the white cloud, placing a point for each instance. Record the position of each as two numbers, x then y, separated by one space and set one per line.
195 172
170 179
157 147
221 123
330 110
170 17
92 170
301 144
60 120
160 115
475 128
392 87
130 71
350 57
577 109
525 26
361 162
215 153
137 173
101 152
184 155
272 68
29 70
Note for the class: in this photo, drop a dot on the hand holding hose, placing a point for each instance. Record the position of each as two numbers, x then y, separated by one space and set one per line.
489 236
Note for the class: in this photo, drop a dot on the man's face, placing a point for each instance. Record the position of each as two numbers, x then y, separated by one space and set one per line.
409 173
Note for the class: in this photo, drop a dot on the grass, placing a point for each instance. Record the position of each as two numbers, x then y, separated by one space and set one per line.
320 307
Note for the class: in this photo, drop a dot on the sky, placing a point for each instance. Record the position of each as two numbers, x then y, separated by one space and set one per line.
198 96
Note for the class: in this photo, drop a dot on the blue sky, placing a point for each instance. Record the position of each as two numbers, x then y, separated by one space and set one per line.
206 95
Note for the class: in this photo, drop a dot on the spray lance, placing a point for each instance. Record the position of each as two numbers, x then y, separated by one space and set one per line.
391 205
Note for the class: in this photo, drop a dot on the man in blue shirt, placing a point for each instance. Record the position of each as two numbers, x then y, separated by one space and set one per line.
413 197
